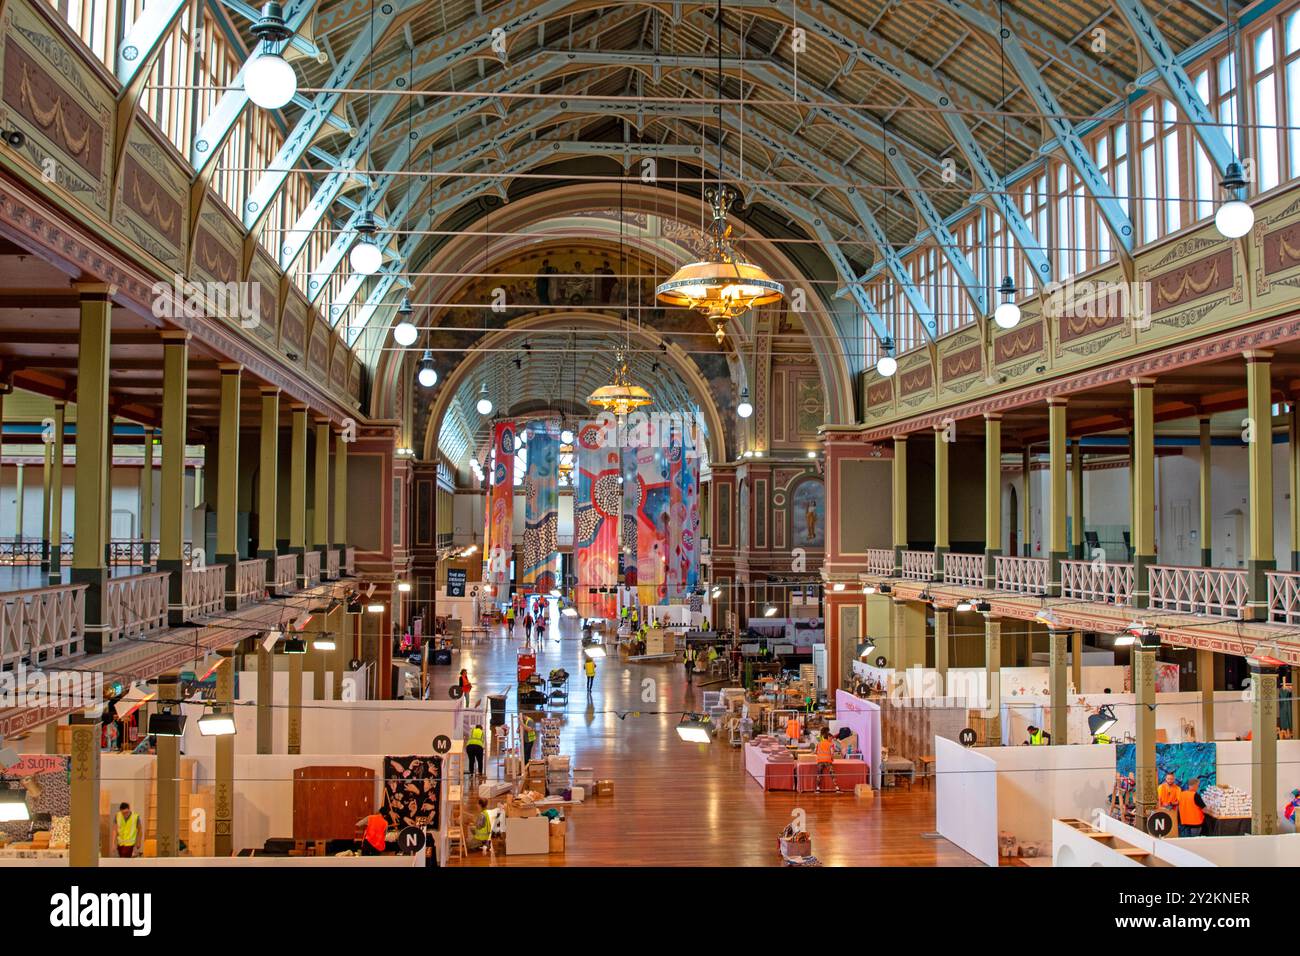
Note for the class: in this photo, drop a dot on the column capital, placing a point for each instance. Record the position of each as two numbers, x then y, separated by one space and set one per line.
174 336
95 290
319 420
1142 382
230 368
1257 355
993 416
298 408
269 390
1058 400
899 437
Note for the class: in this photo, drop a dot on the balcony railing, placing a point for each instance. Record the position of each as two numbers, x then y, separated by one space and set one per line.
967 569
41 625
1284 597
1218 591
286 573
1021 575
880 561
310 569
250 582
918 565
332 562
137 605
349 561
1098 581
129 552
203 591
27 552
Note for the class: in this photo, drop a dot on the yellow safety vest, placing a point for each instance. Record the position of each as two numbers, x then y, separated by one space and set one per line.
529 733
128 829
475 738
591 668
483 832
1036 739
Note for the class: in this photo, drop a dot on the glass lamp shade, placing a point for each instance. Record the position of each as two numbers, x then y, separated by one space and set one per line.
726 289
1234 219
566 437
404 333
366 258
1007 315
270 81
427 376
744 409
886 365
484 406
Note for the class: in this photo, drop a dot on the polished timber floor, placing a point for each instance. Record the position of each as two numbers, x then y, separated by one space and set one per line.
681 804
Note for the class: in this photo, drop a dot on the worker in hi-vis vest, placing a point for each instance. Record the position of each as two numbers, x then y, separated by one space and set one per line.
825 760
481 835
127 831
530 735
475 746
1038 737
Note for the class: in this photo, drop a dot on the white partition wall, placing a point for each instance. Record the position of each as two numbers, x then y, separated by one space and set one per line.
966 799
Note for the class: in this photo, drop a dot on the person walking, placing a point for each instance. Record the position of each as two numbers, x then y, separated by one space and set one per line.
825 760
528 622
474 748
590 668
127 830
690 665
464 685
510 620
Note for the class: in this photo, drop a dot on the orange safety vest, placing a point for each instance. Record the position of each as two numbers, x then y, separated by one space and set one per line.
825 750
792 727
1189 814
1167 795
376 827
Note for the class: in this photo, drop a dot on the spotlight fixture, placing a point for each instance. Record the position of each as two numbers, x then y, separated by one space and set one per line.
1102 721
716 592
16 138
13 804
566 436
837 586
323 643
217 724
964 605
1007 314
769 611
925 596
865 648
886 589
812 454
374 609
404 586
983 607
868 589
695 729
484 404
269 80
293 645
1048 617
744 408
166 724
1234 218
366 257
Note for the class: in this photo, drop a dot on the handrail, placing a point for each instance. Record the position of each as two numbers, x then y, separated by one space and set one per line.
1222 592
1021 575
965 569
250 581
286 573
136 605
1099 581
310 569
880 561
41 625
918 565
332 562
203 590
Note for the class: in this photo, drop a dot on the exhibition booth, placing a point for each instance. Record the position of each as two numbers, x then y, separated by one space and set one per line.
1108 842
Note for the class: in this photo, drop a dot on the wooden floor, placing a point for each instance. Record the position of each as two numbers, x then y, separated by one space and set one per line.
680 804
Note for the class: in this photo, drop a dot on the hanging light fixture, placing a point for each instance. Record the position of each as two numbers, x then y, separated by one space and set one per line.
722 286
1007 314
621 395
427 376
484 404
887 365
269 80
744 408
405 332
1234 218
366 257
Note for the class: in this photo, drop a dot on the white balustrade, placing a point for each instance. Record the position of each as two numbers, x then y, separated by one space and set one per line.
349 561
250 581
1221 592
286 573
880 561
41 625
918 565
332 563
203 591
1099 581
1021 575
136 605
310 569
966 569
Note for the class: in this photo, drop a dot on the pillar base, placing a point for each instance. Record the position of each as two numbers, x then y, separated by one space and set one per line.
175 590
1054 580
990 566
231 563
1142 579
939 554
96 581
1207 558
1257 588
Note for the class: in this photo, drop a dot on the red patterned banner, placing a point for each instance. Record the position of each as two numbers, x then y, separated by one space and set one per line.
502 505
596 520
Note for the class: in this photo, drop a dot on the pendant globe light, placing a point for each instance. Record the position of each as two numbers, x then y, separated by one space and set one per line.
366 257
887 365
269 80
744 408
404 332
1007 314
484 404
1234 218
722 286
427 376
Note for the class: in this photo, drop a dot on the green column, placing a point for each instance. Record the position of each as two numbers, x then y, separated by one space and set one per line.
1057 497
1027 504
1205 683
168 767
993 670
146 498
1144 486
992 495
83 772
1057 688
320 538
1207 511
20 494
1144 683
942 630
941 543
223 843
1263 749
227 475
46 505
171 490
94 424
1293 473
340 489
295 704
1259 457
268 470
265 695
1077 540
298 482
899 475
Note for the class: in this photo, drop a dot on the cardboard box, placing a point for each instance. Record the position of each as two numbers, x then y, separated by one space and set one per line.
521 810
863 791
604 788
557 829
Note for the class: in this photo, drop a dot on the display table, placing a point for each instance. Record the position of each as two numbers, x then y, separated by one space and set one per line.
848 774
1225 826
770 772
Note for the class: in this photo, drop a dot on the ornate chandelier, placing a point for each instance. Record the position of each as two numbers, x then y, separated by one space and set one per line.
723 286
620 396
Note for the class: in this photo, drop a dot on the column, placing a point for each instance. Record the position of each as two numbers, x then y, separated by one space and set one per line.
1293 470
1144 486
295 703
146 498
265 693
344 645
340 489
227 474
56 495
1057 498
168 770
1259 456
1077 540
942 630
1144 683
90 515
171 491
1207 512
320 538
1057 686
1205 683
1132 495
20 490
940 498
899 501
48 448
223 803
267 470
1263 749
83 847
992 495
1026 504
298 482
993 668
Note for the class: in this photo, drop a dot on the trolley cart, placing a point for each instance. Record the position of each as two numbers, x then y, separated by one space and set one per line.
559 680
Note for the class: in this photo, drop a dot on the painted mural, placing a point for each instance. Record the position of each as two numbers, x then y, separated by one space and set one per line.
631 504
808 514
541 508
652 523
596 519
502 498
1184 761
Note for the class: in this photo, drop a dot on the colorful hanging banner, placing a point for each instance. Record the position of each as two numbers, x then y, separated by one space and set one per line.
541 508
502 503
684 514
652 524
628 534
596 520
